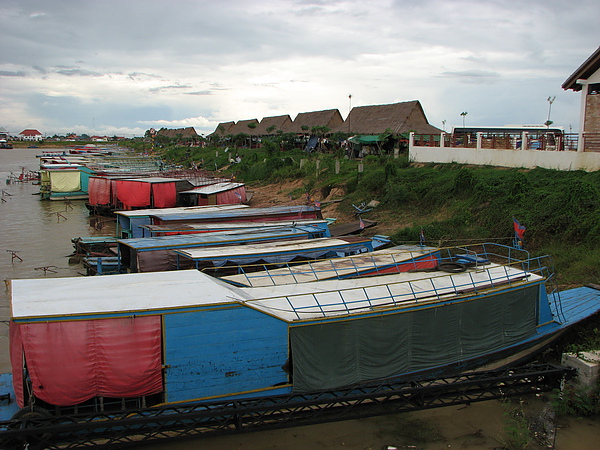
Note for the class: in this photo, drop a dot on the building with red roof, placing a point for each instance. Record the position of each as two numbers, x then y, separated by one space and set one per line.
30 135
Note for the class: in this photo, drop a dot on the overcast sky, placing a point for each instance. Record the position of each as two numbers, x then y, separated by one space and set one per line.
122 67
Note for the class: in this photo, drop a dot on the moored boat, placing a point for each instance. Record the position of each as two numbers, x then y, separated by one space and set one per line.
401 258
160 253
184 336
218 259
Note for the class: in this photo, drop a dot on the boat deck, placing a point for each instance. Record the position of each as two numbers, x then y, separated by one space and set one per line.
579 303
412 257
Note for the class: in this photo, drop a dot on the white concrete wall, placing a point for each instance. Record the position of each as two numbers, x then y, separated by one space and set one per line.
560 160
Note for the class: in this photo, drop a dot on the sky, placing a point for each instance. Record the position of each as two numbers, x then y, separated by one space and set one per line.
108 67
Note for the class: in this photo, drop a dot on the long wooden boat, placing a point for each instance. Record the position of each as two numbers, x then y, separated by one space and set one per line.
172 337
159 253
192 228
273 213
130 223
401 258
276 252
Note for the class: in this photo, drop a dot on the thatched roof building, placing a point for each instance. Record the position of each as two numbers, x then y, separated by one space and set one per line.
400 117
272 125
303 123
223 129
245 127
181 133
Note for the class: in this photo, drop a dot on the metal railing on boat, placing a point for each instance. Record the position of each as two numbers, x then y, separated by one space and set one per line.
487 275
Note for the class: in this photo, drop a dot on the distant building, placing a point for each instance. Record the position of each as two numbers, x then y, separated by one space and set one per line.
400 118
304 122
397 118
243 127
179 133
222 129
274 125
587 80
30 135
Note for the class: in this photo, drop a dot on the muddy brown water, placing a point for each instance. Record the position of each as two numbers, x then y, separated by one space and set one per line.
40 233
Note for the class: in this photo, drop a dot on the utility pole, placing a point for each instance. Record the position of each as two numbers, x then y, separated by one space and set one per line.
464 114
550 101
349 109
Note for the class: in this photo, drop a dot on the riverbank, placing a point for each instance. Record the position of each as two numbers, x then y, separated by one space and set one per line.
42 238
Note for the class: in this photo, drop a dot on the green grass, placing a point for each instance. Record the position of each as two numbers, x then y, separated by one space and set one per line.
451 202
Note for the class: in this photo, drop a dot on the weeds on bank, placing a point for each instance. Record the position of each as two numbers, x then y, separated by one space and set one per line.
516 427
577 402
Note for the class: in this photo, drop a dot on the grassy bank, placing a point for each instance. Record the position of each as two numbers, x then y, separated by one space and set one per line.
451 203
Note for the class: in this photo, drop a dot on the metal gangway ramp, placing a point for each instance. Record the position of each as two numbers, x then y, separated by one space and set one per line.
138 427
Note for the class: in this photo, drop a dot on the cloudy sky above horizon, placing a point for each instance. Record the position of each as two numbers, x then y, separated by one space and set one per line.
122 67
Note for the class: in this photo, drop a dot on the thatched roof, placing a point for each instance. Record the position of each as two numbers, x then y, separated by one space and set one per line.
584 72
222 129
189 132
242 127
330 118
282 123
399 117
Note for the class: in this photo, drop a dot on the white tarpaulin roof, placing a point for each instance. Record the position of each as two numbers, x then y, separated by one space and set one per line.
178 210
63 297
115 293
213 188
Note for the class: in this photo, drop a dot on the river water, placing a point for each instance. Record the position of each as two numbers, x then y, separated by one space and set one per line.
40 233
37 232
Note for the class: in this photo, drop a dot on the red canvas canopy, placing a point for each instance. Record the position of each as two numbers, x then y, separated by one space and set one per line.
146 193
70 362
99 191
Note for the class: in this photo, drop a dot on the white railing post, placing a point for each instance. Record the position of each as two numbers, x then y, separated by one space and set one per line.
479 138
524 140
442 139
582 106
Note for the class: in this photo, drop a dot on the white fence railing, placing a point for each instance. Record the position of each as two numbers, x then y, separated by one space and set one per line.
550 152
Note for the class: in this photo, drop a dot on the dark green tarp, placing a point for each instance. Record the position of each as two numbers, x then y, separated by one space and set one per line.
367 139
337 353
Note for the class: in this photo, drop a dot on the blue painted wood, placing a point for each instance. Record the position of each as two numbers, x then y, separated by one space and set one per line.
223 351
